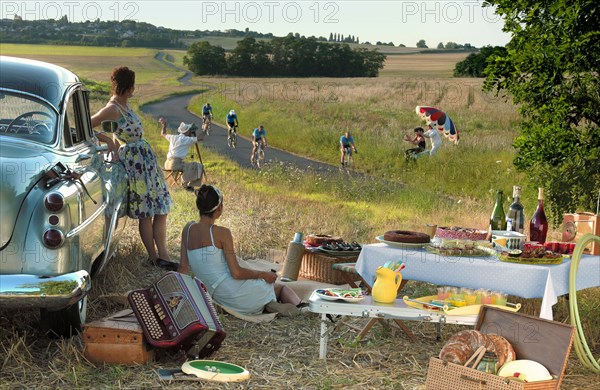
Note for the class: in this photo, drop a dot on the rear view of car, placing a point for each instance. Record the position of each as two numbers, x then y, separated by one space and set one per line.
61 202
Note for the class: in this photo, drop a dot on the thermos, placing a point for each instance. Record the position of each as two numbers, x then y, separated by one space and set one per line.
293 260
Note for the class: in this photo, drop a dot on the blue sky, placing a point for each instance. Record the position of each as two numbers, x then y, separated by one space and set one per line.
396 21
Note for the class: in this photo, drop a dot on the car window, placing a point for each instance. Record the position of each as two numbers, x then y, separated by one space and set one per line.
23 117
76 127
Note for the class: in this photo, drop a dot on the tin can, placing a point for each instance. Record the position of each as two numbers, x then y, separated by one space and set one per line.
509 224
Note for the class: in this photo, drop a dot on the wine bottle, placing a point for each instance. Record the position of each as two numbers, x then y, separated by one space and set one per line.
538 227
498 219
516 212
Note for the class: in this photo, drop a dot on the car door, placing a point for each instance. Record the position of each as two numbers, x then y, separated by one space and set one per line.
87 161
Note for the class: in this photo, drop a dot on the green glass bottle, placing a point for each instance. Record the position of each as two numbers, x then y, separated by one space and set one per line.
498 218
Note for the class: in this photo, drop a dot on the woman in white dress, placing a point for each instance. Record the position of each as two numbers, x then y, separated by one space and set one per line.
207 251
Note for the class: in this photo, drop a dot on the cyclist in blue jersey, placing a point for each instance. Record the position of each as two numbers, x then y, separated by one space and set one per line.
232 121
258 135
346 144
206 111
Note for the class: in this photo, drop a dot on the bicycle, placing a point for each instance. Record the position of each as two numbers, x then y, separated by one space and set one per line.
206 124
259 155
232 137
348 159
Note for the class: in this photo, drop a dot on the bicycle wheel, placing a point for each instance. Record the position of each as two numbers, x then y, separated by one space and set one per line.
261 156
234 139
348 160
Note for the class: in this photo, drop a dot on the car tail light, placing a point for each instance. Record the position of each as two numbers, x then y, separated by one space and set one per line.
54 202
53 238
53 220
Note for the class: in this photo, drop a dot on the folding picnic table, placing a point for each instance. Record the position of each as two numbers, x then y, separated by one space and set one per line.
367 308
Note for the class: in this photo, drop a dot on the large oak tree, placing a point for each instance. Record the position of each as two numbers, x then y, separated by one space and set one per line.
551 71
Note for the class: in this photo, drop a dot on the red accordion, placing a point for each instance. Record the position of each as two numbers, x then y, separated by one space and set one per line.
176 312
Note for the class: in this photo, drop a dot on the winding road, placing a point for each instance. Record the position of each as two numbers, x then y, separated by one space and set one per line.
174 110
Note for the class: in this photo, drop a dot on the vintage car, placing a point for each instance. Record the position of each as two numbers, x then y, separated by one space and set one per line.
61 201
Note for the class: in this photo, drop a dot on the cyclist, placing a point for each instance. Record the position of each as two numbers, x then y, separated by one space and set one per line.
346 144
206 112
258 135
232 121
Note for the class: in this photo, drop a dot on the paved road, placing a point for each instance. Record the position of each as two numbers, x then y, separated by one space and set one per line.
174 110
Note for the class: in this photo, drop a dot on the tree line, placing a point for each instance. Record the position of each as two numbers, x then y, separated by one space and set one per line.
474 65
289 56
126 33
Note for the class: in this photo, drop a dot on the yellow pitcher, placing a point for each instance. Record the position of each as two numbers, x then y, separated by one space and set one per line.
386 285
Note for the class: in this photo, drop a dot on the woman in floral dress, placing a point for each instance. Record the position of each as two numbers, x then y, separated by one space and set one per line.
148 200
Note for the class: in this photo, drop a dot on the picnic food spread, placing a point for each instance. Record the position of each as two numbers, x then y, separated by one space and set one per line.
406 236
461 233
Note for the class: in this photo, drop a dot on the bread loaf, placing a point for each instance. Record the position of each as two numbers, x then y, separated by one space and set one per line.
463 345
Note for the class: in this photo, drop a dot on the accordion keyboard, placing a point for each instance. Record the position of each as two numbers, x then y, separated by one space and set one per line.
151 317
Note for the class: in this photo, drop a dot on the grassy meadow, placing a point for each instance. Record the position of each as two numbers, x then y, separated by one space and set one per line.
307 117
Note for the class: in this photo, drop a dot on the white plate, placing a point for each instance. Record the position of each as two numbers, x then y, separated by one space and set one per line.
401 244
330 298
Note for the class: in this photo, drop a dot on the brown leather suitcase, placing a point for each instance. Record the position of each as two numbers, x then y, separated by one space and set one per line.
117 339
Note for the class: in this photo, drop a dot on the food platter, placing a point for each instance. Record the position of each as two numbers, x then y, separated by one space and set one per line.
401 244
424 303
531 260
346 295
456 251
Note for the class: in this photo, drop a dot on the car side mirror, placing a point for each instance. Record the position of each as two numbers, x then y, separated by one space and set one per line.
109 126
82 157
101 148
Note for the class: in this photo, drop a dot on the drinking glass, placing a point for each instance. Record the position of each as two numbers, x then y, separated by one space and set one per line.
500 298
470 296
485 297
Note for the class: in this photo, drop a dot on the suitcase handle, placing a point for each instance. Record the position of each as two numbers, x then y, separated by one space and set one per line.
468 378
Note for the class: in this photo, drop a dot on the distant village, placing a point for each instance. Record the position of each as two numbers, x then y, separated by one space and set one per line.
130 33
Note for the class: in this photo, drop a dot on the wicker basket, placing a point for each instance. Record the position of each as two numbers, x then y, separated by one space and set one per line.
318 266
546 342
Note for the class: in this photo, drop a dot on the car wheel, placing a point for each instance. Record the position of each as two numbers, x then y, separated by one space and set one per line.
66 322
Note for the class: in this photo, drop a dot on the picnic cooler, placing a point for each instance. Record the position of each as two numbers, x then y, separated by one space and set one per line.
318 266
546 342
116 339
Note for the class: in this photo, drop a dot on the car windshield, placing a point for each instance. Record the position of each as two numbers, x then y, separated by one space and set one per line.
23 117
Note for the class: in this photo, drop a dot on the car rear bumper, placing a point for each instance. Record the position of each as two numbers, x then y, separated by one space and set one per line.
49 292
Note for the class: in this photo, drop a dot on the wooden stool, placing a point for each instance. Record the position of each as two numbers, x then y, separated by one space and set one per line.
172 176
350 275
